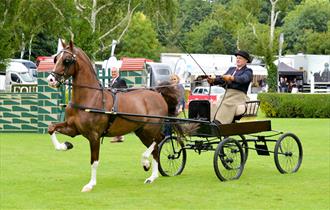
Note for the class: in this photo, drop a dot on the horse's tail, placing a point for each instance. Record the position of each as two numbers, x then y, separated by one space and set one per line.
171 94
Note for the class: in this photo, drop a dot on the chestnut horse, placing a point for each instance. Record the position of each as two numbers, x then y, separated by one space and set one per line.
88 93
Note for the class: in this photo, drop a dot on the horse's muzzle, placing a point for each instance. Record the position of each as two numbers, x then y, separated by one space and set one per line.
52 81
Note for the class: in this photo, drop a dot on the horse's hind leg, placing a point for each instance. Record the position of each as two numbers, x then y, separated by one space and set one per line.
62 128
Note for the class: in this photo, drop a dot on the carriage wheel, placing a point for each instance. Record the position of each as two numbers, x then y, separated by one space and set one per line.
288 153
228 160
172 156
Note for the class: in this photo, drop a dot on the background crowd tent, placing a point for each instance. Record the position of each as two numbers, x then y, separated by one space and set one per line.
286 71
307 63
314 70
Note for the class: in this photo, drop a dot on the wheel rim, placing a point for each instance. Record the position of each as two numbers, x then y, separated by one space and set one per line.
288 153
229 160
172 157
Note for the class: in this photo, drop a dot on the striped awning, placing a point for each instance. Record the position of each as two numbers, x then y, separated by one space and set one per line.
46 64
133 64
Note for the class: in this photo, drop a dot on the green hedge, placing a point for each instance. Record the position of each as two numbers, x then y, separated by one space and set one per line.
289 105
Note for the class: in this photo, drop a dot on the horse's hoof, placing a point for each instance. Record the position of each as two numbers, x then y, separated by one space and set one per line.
148 181
86 189
68 145
146 168
146 165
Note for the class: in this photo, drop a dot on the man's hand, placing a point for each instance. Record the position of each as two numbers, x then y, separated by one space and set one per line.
228 78
210 80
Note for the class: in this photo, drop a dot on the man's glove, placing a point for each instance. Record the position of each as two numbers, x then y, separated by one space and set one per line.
228 78
210 80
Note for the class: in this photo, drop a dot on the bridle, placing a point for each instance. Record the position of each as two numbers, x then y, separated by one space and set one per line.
67 62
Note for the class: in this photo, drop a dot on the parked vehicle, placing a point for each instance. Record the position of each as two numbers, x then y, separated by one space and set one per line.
2 81
17 73
31 67
202 93
157 73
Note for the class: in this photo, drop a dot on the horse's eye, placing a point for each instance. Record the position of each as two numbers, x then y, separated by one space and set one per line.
55 59
67 61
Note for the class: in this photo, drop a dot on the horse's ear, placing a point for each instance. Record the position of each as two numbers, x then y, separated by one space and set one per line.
63 43
71 44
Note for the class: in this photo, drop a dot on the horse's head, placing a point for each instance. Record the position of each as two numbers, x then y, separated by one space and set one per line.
64 68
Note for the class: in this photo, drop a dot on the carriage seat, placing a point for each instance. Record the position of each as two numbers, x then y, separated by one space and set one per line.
200 109
250 108
240 110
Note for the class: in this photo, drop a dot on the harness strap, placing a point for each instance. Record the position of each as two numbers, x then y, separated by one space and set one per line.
115 102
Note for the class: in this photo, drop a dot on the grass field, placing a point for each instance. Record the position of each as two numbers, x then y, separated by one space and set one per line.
35 176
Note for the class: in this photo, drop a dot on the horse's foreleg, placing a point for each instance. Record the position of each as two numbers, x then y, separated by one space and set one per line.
88 187
60 146
146 163
95 149
62 128
154 174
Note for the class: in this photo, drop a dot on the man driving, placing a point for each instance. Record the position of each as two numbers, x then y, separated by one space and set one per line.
237 80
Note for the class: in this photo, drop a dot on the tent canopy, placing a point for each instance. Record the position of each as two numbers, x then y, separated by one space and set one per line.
285 69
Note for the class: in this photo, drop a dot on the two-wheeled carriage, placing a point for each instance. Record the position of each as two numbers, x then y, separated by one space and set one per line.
230 142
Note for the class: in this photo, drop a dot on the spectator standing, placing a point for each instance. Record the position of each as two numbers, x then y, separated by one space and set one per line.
117 82
175 80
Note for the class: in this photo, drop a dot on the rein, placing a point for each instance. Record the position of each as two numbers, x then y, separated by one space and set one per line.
86 86
124 115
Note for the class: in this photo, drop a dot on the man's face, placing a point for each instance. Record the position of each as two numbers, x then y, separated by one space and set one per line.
114 73
241 61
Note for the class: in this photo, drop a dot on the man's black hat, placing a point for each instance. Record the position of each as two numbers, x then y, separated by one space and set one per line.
244 54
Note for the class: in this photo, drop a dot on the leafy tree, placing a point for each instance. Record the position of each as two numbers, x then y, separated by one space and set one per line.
92 24
310 15
191 12
140 39
210 37
7 25
317 43
283 6
44 45
35 21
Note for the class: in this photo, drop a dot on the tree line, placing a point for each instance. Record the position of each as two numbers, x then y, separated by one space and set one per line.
146 28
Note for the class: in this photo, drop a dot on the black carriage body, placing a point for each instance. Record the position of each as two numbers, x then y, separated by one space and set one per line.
200 110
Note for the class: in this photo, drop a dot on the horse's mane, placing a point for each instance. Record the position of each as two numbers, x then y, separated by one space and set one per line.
171 95
77 49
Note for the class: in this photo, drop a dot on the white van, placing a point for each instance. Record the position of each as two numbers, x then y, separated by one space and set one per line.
17 73
31 67
157 73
